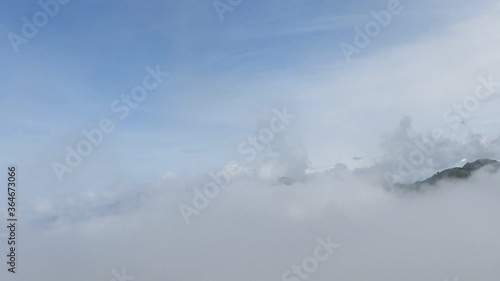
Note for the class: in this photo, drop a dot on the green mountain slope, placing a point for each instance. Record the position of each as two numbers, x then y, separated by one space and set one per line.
458 173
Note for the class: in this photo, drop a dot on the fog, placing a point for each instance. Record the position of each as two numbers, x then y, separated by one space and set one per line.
257 228
183 190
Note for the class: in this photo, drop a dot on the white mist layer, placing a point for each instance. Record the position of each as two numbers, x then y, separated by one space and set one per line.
256 230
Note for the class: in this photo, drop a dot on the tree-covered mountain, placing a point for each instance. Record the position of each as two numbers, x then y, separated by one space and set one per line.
457 173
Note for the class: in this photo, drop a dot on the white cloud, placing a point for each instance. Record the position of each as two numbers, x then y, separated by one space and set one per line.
256 230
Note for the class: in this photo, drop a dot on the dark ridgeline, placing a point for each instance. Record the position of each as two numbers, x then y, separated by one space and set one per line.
454 173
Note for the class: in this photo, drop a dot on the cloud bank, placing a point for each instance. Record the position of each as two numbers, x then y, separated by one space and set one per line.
258 228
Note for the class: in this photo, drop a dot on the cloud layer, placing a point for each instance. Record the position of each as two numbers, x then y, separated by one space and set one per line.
258 228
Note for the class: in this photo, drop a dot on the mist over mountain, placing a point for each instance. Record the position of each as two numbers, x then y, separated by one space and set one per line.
246 231
455 174
461 173
238 140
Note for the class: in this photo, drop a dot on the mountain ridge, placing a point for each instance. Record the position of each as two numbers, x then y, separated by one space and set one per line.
456 173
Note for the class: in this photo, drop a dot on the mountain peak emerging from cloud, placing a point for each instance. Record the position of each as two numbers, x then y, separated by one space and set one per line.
457 173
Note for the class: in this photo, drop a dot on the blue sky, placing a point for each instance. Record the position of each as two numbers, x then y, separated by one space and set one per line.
225 76
121 207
